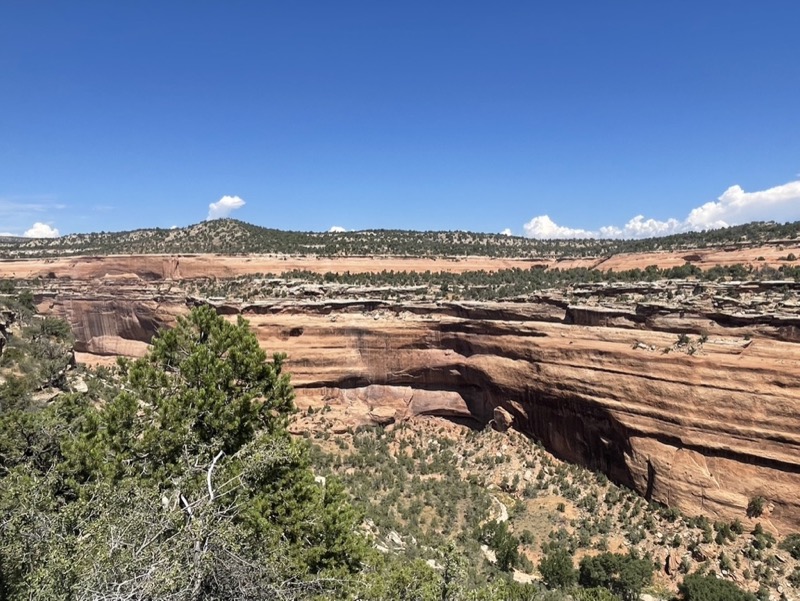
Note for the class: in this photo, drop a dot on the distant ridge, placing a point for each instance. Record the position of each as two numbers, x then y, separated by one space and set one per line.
231 236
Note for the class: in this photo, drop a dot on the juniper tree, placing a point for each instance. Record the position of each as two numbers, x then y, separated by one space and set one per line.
186 485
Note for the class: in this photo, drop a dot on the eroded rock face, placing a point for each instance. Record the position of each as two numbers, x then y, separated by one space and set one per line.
110 320
704 431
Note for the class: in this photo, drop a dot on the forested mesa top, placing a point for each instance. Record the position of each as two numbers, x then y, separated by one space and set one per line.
230 236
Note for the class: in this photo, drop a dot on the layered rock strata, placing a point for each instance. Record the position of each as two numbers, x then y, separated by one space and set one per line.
704 425
704 432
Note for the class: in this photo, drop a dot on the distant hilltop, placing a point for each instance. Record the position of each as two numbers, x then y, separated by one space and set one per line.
233 237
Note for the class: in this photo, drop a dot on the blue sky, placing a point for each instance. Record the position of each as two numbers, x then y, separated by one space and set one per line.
421 115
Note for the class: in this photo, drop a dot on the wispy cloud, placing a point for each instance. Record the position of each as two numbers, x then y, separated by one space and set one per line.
224 207
20 206
18 211
733 207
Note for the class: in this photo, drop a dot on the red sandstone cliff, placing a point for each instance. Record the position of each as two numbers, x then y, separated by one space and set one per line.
704 432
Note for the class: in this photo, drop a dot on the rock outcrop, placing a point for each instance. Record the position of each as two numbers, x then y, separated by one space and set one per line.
704 426
110 319
704 432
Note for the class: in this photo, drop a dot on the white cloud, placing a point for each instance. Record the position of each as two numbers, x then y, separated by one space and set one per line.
506 232
734 207
41 230
337 229
545 228
224 206
639 227
781 203
173 227
7 234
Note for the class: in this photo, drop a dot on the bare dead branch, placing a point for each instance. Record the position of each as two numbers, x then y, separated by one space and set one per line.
208 477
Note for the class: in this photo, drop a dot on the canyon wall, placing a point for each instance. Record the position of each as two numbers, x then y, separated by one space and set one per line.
704 432
702 428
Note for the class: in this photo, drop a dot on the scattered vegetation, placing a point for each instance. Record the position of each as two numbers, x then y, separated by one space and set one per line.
686 281
420 482
231 236
792 544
